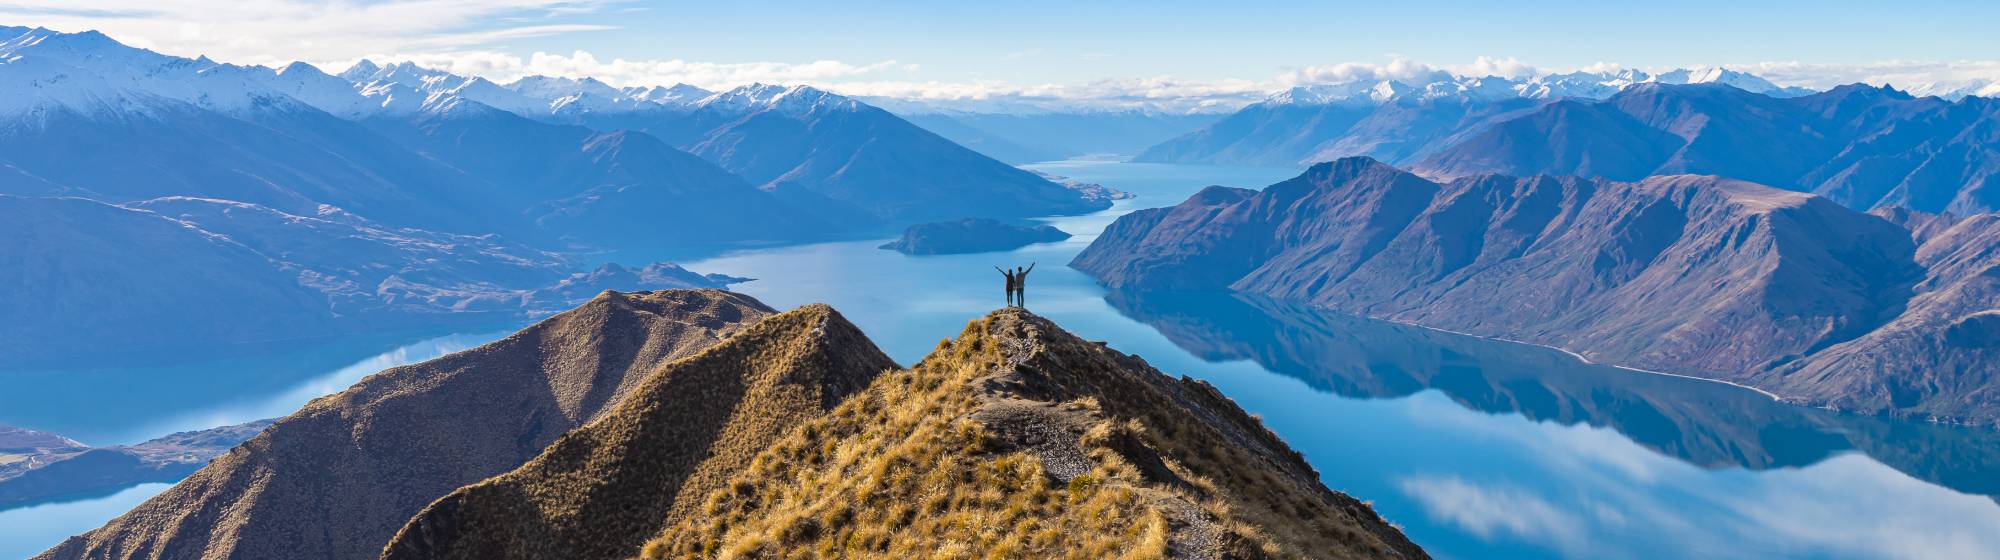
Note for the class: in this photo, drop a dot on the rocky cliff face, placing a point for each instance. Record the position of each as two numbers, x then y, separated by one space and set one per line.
1016 439
337 478
1692 274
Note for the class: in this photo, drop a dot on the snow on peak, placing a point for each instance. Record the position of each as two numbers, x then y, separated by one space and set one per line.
1956 89
678 94
787 100
1740 80
49 68
549 87
1327 94
360 71
1581 84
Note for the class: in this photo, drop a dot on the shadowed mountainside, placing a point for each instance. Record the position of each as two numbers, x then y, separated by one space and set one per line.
337 478
1862 146
855 163
1017 438
600 491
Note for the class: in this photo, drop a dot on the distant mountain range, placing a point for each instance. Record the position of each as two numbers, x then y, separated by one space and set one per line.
1403 119
406 145
1865 147
276 204
851 164
683 424
1862 146
1713 277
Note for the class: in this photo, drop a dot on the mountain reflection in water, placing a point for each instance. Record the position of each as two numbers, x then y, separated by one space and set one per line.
1704 423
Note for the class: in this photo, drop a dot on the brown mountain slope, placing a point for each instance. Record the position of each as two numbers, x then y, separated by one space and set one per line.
1691 273
600 490
337 478
1017 440
1699 275
1940 356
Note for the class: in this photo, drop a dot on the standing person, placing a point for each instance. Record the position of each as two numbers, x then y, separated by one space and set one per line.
1013 283
1021 284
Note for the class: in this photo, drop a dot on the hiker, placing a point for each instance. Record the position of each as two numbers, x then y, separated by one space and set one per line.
1021 284
1013 283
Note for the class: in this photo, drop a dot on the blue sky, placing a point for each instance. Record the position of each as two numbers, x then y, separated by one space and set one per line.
1055 47
1252 39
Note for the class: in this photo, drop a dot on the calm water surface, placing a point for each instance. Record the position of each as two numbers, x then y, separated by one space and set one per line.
1478 449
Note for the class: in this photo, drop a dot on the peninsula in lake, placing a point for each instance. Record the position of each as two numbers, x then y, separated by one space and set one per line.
971 235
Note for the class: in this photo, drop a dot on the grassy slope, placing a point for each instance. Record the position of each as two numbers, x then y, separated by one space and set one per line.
337 478
1015 440
598 491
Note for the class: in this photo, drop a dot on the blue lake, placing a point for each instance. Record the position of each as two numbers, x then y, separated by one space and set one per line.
1477 448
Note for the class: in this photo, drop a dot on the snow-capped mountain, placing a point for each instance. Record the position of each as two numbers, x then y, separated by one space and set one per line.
89 73
1590 85
1739 80
791 101
677 94
1956 89
404 88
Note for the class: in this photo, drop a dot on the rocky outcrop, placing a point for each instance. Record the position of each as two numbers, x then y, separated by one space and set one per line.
1016 439
337 478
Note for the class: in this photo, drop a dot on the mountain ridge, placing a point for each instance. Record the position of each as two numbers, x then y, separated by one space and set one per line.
335 479
1109 445
1689 274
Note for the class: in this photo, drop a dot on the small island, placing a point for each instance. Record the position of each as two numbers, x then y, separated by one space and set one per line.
971 235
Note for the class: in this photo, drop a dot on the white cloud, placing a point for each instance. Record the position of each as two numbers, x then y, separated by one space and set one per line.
503 67
1918 76
1398 68
1509 67
1492 511
274 32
